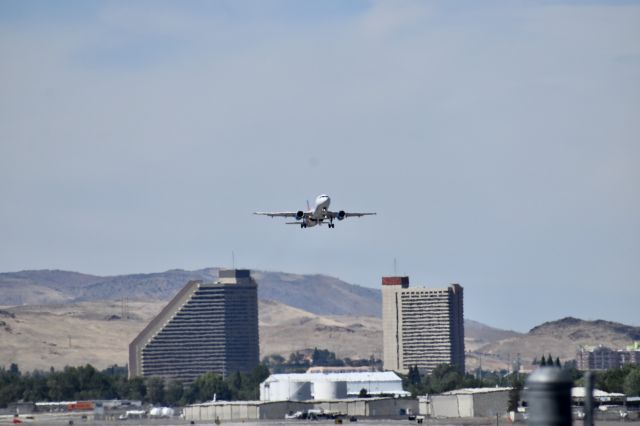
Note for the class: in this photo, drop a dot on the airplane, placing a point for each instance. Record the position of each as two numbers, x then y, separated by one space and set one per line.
316 215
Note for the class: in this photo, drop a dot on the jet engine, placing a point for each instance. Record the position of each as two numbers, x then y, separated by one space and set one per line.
299 215
341 215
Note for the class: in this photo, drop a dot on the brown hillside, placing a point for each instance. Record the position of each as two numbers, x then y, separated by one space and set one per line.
41 336
561 338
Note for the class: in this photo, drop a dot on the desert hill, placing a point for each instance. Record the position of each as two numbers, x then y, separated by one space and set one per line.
478 335
41 336
578 330
560 338
42 287
319 294
72 318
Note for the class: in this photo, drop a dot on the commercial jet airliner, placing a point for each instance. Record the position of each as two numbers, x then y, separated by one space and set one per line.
316 215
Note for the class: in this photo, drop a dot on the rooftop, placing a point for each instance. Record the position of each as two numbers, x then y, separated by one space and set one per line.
473 391
364 376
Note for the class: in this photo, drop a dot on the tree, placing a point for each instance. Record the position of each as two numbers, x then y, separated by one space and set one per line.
324 357
35 386
14 370
174 393
155 390
612 380
63 385
363 393
558 362
444 378
414 375
549 361
543 362
632 383
208 385
259 374
136 388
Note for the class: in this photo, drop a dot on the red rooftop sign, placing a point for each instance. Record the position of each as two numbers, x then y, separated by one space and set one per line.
403 281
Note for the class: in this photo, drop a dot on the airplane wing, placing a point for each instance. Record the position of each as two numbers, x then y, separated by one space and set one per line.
281 214
342 215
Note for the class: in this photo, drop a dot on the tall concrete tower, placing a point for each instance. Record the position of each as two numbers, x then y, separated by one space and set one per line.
205 327
421 326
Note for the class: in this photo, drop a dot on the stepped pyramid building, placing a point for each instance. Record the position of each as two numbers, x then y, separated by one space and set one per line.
421 327
205 327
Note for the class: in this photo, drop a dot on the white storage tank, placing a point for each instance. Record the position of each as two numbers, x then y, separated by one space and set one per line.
328 390
299 391
286 390
167 412
278 391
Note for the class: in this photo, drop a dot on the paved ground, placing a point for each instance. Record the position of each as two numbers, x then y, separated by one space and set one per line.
64 419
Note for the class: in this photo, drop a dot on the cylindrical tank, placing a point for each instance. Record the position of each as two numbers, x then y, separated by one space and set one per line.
327 390
549 397
299 391
288 390
278 391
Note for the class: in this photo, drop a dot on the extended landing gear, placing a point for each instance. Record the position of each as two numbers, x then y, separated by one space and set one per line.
331 225
303 225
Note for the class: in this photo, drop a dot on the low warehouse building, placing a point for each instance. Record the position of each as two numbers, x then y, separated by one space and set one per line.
330 386
261 410
241 410
472 402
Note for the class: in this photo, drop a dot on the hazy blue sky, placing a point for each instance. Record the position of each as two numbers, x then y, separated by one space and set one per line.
498 142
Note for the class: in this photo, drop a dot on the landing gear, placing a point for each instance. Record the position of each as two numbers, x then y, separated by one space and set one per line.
331 225
303 225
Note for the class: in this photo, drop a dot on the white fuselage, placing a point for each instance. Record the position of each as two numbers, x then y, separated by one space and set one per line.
318 213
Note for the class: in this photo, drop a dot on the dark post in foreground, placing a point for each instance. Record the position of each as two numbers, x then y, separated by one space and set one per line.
588 399
548 395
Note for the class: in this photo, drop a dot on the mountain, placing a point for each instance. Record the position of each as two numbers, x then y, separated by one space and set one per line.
42 286
577 330
41 336
319 294
560 338
478 334
296 312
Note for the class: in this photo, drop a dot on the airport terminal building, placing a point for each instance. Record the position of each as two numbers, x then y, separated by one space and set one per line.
205 327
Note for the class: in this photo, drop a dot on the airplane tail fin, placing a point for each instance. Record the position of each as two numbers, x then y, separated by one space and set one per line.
308 206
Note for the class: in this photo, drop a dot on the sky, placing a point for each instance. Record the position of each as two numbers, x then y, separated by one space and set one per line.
498 142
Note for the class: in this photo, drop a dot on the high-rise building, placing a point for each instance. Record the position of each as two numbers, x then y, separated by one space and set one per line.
421 327
205 327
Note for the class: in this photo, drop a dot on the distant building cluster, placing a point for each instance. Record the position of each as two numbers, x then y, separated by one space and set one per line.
213 327
206 327
603 358
421 327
